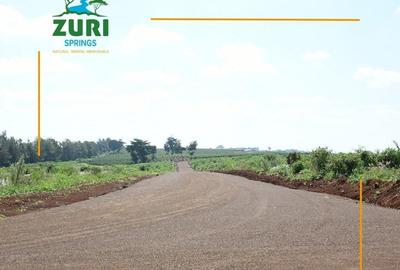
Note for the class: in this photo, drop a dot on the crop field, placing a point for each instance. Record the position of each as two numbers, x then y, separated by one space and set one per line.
53 176
319 164
123 157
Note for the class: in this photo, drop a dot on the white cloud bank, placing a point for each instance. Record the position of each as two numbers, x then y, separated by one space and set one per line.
15 25
240 58
378 77
397 11
317 56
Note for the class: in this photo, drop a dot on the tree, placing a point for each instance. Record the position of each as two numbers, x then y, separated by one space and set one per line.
115 145
192 148
30 153
50 150
103 145
68 152
153 151
140 150
97 4
12 149
173 146
4 154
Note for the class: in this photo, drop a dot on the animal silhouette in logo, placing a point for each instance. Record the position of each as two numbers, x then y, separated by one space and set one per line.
83 7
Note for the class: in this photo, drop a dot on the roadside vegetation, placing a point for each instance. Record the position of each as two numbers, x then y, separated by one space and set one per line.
67 165
321 163
23 178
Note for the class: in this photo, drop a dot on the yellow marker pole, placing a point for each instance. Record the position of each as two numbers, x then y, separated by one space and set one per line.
361 223
38 97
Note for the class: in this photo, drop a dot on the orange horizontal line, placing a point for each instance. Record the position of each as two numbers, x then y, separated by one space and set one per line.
262 19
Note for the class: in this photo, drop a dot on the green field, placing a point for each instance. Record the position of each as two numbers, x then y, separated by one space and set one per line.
123 156
319 164
52 176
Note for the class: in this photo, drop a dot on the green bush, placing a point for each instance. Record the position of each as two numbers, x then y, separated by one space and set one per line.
282 170
67 170
85 168
377 173
67 175
368 159
16 172
390 158
319 160
297 167
304 175
37 175
344 164
292 158
269 161
50 168
143 168
95 170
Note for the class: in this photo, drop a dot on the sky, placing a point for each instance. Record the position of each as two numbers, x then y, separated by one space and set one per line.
282 85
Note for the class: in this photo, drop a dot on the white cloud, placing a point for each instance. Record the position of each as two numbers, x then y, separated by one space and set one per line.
141 36
15 25
151 76
240 58
317 55
397 11
378 77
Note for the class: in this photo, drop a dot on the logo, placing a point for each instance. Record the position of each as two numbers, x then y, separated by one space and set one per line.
82 23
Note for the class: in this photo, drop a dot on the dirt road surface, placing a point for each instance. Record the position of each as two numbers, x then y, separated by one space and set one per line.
193 220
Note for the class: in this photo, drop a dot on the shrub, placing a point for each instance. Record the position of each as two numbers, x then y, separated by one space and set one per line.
84 169
67 170
344 164
304 175
95 170
143 167
320 159
282 170
50 168
390 158
37 175
292 158
297 167
16 172
368 159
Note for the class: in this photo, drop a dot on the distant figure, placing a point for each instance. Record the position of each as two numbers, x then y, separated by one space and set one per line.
81 9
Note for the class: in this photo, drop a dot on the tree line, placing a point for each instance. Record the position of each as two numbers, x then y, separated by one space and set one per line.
142 151
12 149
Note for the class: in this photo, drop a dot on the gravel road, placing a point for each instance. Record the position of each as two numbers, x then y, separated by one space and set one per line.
196 220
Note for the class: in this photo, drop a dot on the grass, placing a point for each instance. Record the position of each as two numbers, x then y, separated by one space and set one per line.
301 170
52 176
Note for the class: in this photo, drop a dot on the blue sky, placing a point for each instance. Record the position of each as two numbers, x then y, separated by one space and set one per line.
279 85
